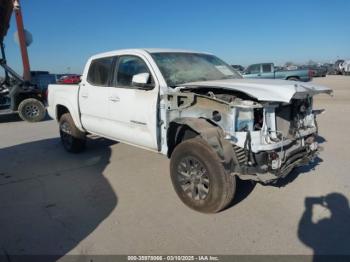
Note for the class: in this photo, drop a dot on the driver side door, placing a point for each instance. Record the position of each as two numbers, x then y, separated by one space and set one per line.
253 71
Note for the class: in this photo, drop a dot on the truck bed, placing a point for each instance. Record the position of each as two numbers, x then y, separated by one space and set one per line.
65 95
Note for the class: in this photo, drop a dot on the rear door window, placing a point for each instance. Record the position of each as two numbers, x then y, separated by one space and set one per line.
100 71
267 68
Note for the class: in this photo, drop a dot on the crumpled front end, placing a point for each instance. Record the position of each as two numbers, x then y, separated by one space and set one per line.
269 139
275 139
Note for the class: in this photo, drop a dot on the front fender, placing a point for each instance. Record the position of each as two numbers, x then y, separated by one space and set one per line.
213 135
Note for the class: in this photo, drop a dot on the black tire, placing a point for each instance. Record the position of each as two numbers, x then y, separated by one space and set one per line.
208 191
72 138
293 79
31 110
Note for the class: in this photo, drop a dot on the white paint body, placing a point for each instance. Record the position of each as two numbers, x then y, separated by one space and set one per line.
138 117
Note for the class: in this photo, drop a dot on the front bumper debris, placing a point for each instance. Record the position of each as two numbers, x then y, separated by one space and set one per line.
273 165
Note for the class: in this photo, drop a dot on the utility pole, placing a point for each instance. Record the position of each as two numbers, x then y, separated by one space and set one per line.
22 40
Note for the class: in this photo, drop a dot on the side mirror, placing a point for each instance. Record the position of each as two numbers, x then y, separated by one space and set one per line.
141 80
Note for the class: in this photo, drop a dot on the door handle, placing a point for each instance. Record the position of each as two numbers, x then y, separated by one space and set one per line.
84 95
114 99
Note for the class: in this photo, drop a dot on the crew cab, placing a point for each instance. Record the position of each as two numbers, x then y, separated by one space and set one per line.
269 71
195 109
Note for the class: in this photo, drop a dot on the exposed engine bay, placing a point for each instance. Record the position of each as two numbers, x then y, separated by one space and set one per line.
269 138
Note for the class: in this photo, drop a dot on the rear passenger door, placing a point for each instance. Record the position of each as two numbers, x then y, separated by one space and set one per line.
94 96
267 71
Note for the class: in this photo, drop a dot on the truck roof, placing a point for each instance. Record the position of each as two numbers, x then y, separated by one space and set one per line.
143 51
265 63
169 50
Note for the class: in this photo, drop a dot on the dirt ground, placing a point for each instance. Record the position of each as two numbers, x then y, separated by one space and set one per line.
117 199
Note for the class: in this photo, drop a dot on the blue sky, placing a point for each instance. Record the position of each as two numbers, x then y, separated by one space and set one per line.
67 32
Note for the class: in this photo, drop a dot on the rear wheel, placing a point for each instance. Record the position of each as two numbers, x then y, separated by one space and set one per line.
293 79
31 110
72 138
199 178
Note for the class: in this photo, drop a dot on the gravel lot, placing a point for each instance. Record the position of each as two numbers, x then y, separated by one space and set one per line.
117 199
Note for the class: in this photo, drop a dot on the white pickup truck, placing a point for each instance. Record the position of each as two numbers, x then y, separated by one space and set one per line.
195 109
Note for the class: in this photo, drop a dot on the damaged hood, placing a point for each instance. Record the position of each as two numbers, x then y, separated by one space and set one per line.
264 89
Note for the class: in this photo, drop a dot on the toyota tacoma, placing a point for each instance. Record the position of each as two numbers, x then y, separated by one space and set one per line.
195 109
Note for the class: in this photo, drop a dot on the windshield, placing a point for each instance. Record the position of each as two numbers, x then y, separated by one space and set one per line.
180 68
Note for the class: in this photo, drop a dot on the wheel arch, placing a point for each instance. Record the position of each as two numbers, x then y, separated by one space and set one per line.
294 77
185 128
178 132
62 108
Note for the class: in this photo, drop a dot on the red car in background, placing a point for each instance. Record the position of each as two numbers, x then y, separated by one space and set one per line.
69 79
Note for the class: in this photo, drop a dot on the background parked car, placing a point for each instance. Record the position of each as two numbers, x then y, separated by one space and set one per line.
318 71
330 68
42 79
267 70
337 66
69 79
322 70
345 67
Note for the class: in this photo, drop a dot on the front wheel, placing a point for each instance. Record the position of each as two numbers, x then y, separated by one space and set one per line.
31 110
199 178
72 138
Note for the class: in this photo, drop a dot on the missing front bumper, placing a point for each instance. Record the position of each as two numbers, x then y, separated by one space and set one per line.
270 170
